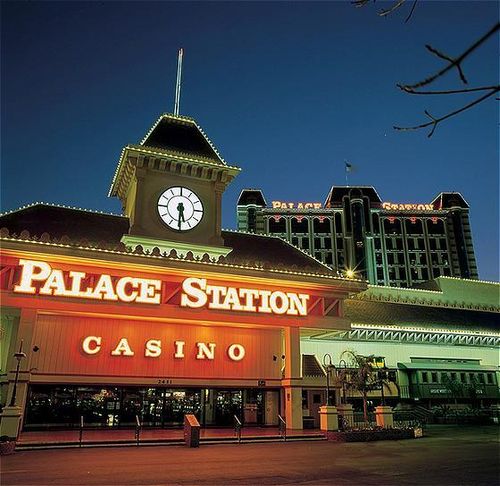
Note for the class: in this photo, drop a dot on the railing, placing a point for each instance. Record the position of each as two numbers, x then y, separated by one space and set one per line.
282 427
137 430
81 430
237 428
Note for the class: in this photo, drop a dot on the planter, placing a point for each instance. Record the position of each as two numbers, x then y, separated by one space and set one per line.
7 448
370 435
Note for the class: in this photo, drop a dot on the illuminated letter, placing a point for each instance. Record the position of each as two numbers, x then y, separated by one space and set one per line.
386 205
194 287
76 282
317 205
87 342
298 304
217 292
103 289
236 352
149 291
249 295
232 300
179 349
54 284
276 204
28 275
121 291
153 348
122 349
264 301
301 206
205 351
281 309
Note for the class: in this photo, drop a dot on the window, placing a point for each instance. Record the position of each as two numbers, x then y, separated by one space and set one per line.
329 259
317 243
300 226
305 243
378 244
378 258
489 378
453 376
380 273
425 377
388 244
481 377
463 377
327 243
340 243
434 377
277 226
390 258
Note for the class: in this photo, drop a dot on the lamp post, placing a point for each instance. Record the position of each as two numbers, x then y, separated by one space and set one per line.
327 364
382 375
19 356
343 365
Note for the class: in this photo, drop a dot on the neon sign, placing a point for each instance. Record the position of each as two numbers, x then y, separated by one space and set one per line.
197 293
407 207
125 289
300 205
39 277
92 345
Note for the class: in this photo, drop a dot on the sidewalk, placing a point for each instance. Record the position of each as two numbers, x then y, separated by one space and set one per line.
95 436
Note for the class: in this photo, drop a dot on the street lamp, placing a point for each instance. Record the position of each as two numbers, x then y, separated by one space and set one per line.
327 364
19 356
382 375
343 365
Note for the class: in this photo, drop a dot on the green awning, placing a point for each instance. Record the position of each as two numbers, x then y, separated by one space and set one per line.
450 366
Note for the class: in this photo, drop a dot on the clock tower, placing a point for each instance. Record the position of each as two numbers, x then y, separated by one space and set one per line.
171 186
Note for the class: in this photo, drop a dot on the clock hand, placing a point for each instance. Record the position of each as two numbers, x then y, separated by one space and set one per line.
180 210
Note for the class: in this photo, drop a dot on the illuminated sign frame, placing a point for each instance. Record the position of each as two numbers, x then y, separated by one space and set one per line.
196 292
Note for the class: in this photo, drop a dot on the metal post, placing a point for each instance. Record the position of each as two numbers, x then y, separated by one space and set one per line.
237 428
19 356
137 429
327 364
343 364
81 430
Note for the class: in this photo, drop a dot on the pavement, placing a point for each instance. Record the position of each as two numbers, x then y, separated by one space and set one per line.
448 455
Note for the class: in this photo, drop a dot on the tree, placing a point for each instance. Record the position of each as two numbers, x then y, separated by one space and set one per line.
361 376
486 91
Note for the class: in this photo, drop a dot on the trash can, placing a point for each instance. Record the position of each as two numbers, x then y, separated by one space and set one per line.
191 431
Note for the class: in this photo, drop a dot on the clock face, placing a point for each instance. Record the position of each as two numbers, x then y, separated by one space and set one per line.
180 208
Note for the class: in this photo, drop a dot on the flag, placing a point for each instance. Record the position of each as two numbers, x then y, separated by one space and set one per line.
348 167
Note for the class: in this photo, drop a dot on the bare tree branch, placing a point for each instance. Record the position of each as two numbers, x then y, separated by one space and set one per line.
411 11
445 92
398 4
360 3
449 59
435 121
453 62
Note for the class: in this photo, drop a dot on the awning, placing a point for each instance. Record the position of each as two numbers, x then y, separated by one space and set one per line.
449 366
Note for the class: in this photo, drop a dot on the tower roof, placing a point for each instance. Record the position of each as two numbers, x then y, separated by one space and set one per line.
181 134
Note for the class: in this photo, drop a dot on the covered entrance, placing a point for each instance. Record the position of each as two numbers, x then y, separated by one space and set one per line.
60 407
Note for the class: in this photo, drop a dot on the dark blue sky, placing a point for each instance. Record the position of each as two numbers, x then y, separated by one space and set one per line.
286 91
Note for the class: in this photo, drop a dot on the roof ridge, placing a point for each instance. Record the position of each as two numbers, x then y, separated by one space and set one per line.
60 206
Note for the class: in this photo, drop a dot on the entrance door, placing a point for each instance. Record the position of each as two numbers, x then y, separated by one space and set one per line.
228 403
272 402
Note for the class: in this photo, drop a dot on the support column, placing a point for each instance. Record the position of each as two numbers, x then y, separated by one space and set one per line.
12 416
346 411
292 381
384 416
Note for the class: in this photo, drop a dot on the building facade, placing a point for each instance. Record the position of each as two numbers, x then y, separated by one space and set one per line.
355 231
158 312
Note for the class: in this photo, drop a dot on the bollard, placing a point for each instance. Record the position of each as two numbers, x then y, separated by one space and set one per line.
81 430
191 431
